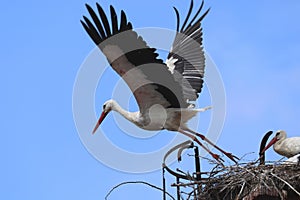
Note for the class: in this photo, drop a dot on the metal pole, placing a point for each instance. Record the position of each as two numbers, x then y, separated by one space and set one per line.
178 188
198 172
164 183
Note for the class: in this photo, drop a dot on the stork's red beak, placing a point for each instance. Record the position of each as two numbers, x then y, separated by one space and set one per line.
103 115
270 144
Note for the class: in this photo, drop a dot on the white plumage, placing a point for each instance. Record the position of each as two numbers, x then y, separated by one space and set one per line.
287 147
293 160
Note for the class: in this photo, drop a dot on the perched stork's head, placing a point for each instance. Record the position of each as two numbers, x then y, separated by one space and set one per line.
279 136
107 107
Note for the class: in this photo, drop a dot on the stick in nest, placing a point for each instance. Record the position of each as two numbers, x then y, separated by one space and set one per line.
298 193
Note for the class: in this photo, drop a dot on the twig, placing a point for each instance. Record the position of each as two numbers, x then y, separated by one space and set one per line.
137 182
286 183
277 189
241 191
190 195
246 154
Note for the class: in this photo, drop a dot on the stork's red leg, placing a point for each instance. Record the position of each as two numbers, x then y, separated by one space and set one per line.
229 155
215 156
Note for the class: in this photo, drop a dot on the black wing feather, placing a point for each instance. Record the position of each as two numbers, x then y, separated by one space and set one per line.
188 16
95 19
187 49
104 20
178 19
123 25
91 30
196 15
114 20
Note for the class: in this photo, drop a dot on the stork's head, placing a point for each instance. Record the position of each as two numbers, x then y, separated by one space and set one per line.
279 136
107 107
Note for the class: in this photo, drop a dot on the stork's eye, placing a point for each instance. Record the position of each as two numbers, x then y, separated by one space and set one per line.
104 106
277 134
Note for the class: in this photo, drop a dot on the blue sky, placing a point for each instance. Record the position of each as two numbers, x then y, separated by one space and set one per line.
254 44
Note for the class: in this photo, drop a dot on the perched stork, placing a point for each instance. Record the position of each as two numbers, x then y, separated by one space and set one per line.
284 146
164 91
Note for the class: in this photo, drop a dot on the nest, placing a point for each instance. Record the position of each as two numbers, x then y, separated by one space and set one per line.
246 182
251 182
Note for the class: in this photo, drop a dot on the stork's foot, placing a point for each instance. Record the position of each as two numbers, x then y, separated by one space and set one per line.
217 157
231 157
205 108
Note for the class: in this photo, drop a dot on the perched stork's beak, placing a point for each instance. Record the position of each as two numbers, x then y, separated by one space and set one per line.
270 144
103 115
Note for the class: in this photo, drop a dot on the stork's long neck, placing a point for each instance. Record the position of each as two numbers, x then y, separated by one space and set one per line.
280 143
280 147
131 116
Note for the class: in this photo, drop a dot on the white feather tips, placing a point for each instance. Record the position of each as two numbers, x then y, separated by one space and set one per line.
171 64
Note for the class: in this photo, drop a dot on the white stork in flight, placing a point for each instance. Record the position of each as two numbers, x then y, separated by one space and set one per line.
288 147
164 91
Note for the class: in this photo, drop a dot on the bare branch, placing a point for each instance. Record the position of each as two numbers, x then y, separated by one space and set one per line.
137 182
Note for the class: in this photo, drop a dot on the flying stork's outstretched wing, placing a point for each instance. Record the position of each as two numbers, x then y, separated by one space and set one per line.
187 56
147 76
